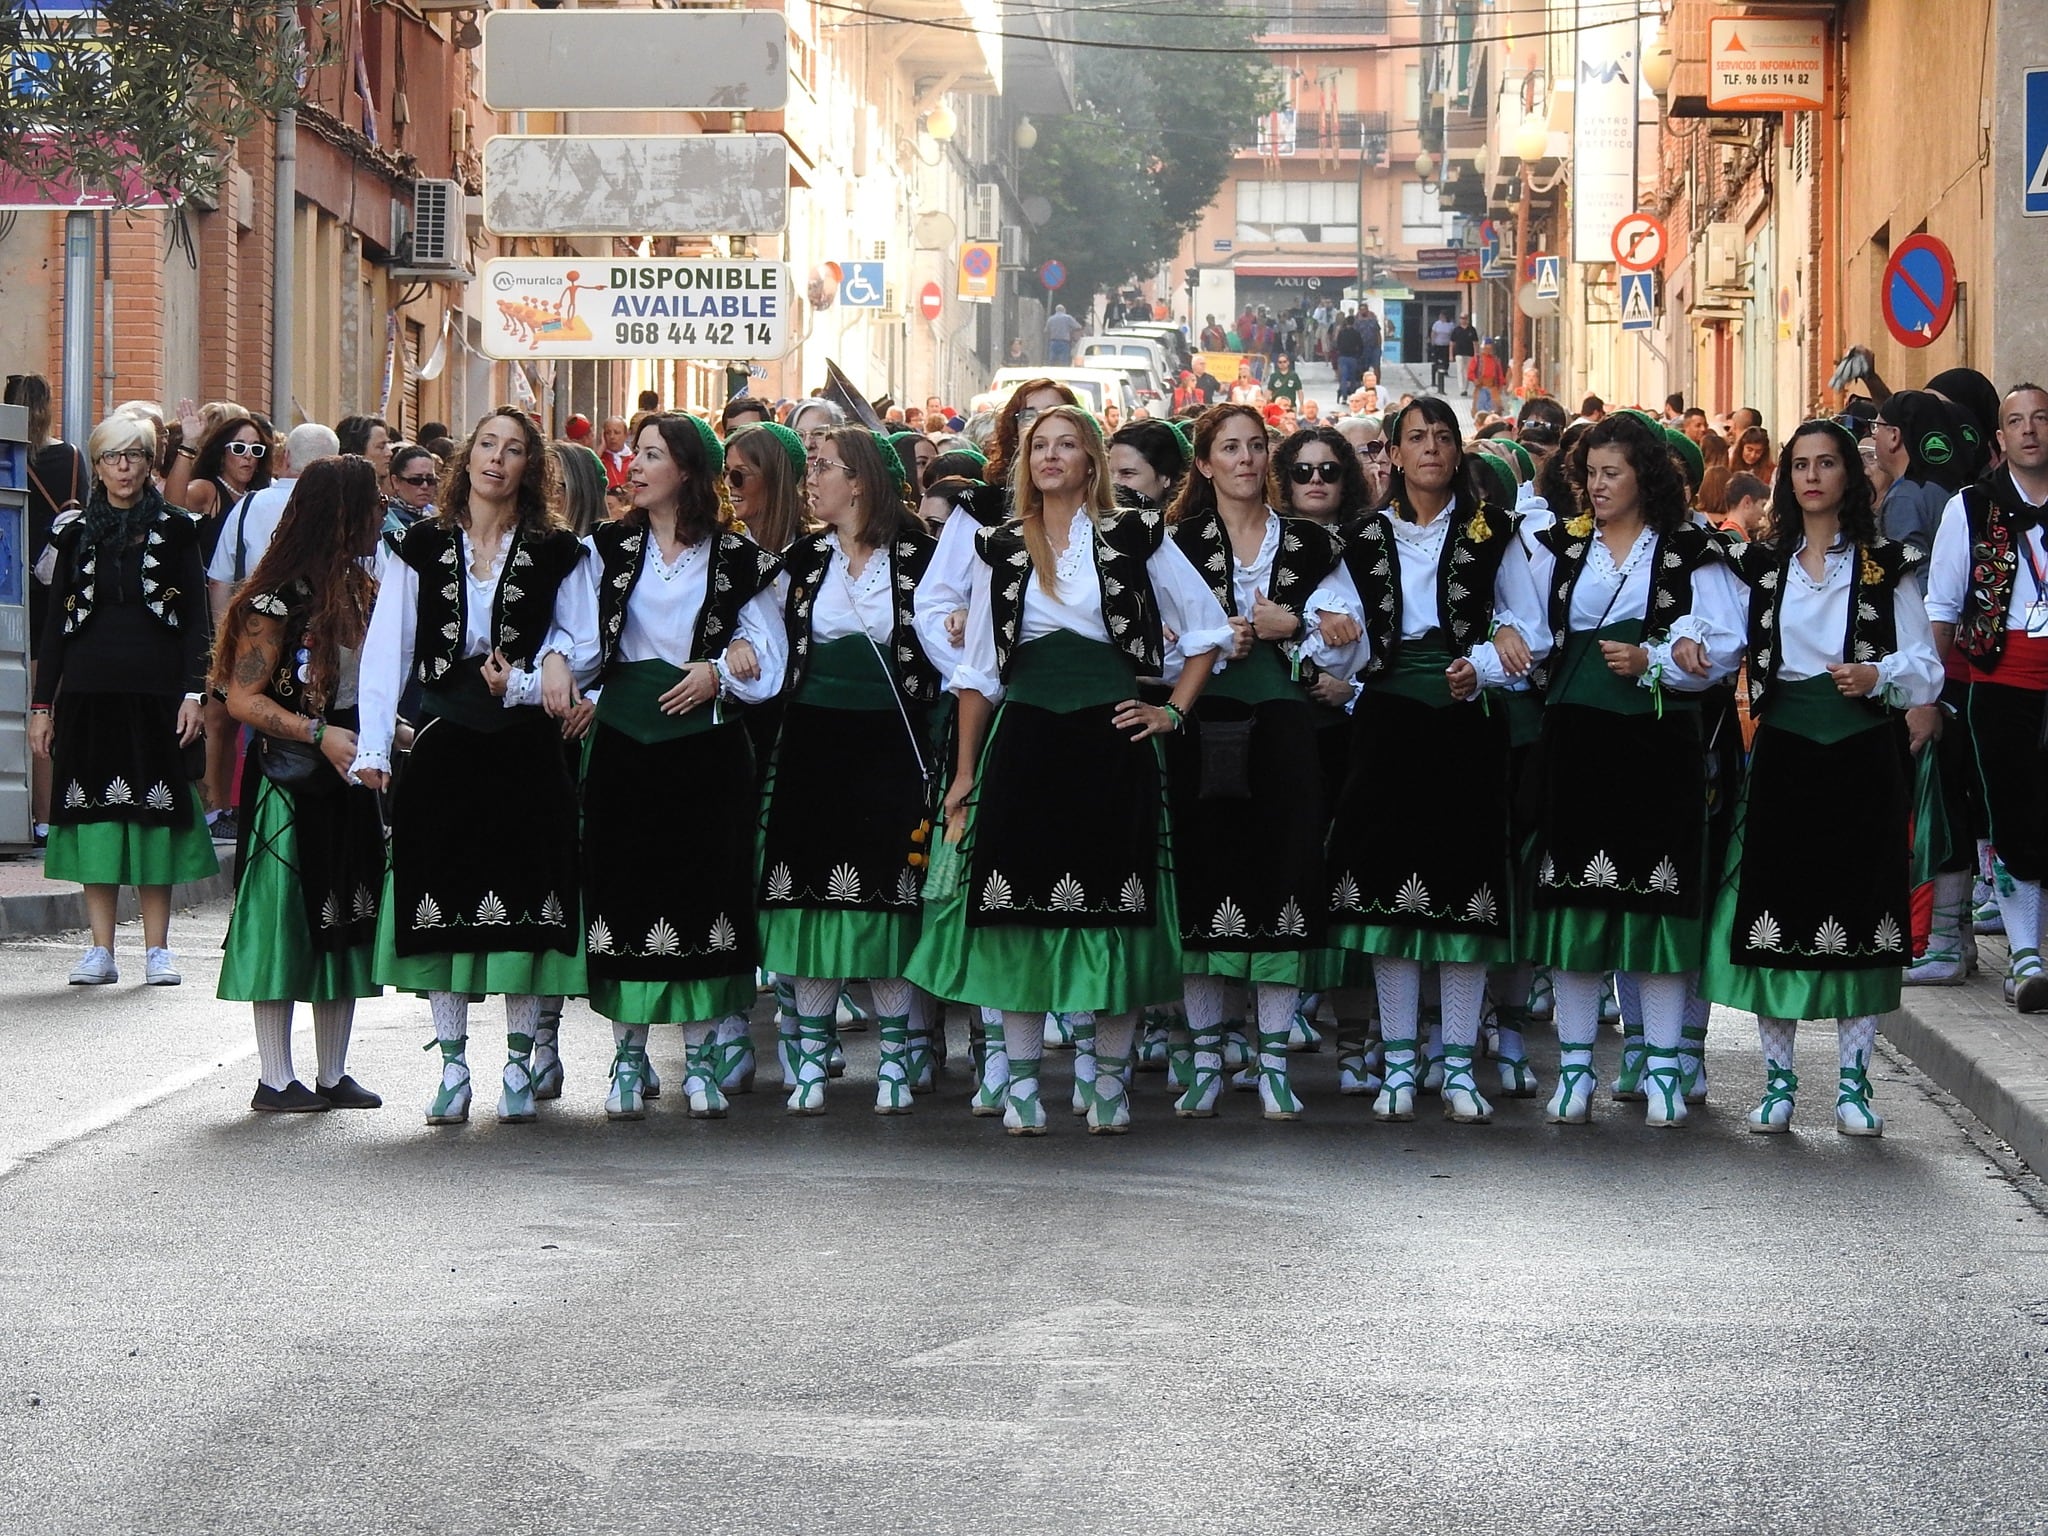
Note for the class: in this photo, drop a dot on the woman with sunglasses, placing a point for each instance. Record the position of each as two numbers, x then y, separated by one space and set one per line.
1368 439
841 862
687 623
119 679
1450 616
1065 901
1248 807
1839 647
474 605
1644 615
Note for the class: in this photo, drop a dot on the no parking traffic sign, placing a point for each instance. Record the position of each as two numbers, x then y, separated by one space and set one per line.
1919 291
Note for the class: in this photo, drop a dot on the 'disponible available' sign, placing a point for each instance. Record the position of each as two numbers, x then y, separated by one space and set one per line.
588 306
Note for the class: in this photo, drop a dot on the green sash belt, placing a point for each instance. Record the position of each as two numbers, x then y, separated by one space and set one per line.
466 699
1418 672
847 673
1063 672
1258 679
631 704
1813 708
1583 678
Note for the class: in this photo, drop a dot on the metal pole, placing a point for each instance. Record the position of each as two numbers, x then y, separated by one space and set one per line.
107 313
78 284
282 259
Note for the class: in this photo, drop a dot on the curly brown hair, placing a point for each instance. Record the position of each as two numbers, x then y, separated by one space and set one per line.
540 486
1660 489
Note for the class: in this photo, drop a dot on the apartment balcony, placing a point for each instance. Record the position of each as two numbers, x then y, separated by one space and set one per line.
1327 19
1317 136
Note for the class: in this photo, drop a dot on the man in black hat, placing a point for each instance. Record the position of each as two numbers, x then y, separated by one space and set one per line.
1917 447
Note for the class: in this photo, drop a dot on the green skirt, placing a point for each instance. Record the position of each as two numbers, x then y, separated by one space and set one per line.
854 946
1422 944
475 973
1324 969
269 955
1280 968
121 853
1590 940
670 1002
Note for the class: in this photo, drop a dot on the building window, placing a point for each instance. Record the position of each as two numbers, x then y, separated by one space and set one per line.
1297 212
1422 219
1411 93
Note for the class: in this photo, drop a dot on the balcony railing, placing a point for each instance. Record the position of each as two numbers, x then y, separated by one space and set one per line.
1312 17
1308 134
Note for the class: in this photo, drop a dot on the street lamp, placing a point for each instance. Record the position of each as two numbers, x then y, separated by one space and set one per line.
940 122
1658 63
1026 136
1193 278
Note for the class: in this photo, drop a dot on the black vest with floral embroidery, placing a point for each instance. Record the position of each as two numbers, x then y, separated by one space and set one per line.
1673 559
1873 630
1467 569
809 561
740 568
1998 518
522 609
1307 553
170 530
1130 608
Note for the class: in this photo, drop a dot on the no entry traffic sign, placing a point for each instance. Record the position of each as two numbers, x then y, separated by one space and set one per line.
930 300
1639 242
1919 291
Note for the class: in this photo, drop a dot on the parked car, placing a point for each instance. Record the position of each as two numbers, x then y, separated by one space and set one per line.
1168 336
1139 356
1093 387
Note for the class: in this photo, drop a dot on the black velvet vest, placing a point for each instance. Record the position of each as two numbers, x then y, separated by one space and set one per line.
1308 552
740 569
1998 519
522 608
809 562
1467 570
1673 559
1873 631
1130 608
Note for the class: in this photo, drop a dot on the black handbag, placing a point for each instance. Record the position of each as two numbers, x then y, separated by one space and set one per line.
294 764
1226 754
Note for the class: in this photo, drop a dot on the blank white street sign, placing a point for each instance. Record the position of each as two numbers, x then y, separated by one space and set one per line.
701 184
636 61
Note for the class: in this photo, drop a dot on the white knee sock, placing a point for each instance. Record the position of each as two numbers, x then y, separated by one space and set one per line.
1663 1009
1464 998
333 1022
1400 987
1203 999
2021 909
1113 1032
1276 1002
892 997
451 1014
817 997
1858 1039
1780 1040
522 1013
1576 1007
731 1028
1024 1035
274 1043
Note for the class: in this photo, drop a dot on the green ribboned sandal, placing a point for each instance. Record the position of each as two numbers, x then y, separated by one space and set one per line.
1692 1061
810 1052
1276 1091
1571 1102
1109 1098
515 1098
992 1074
701 1087
921 1062
1853 1114
1664 1088
733 1060
625 1101
1205 1075
892 1077
1463 1102
1773 1113
1396 1098
451 1100
1628 1080
1153 1049
547 1058
1023 1115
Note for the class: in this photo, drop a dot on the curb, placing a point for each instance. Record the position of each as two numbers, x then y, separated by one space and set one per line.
40 913
1996 1077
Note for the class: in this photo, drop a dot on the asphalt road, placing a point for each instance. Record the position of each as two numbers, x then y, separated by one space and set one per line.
211 1321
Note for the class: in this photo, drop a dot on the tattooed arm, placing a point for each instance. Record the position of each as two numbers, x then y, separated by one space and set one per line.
262 642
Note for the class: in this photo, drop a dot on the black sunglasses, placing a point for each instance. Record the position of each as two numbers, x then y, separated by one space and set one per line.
417 479
1329 471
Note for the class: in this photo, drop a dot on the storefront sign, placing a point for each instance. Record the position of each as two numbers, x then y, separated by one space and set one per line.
585 306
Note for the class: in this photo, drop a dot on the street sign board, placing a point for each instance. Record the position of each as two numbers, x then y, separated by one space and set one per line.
931 301
1469 266
1489 244
1441 255
978 267
691 184
1918 291
1639 242
2034 141
1638 301
1546 276
1053 274
862 284
591 306
636 61
1437 273
1766 66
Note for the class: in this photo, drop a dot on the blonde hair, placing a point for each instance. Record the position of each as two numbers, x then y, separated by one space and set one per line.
118 432
1028 502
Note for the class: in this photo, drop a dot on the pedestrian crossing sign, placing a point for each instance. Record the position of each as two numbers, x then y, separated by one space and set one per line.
1638 301
2034 140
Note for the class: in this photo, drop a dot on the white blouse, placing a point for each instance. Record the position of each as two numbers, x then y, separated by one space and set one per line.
1186 607
662 612
946 588
850 605
1813 622
1613 593
388 648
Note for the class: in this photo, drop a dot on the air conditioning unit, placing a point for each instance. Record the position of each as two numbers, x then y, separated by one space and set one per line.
1721 257
1016 247
435 247
985 212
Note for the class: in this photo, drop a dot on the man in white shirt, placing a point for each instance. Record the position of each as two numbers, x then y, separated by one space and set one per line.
250 522
1440 351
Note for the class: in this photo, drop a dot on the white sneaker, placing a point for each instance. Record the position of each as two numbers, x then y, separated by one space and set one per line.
96 969
160 969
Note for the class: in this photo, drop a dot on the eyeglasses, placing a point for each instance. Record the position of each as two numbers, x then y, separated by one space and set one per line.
737 478
811 469
415 479
1329 471
114 457
1373 449
246 450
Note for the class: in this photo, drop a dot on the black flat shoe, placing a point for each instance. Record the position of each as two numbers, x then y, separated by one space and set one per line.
294 1098
346 1093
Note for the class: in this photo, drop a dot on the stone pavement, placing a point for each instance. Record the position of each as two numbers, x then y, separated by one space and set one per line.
32 904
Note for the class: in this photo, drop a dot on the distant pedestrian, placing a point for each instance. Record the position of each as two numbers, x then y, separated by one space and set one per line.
1464 349
1489 376
1213 339
1440 334
1371 338
1350 346
1061 330
1284 383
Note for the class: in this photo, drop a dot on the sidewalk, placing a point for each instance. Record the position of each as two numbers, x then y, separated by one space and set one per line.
1319 381
32 905
1995 1061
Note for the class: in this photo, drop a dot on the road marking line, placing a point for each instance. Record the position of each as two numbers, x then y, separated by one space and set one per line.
116 1110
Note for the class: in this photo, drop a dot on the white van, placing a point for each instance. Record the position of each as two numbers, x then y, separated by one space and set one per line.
1143 359
1093 387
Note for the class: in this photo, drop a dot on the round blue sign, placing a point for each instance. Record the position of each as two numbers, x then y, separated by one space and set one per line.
1052 274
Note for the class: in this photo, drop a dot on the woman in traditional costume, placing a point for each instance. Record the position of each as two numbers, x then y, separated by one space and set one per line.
1839 648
